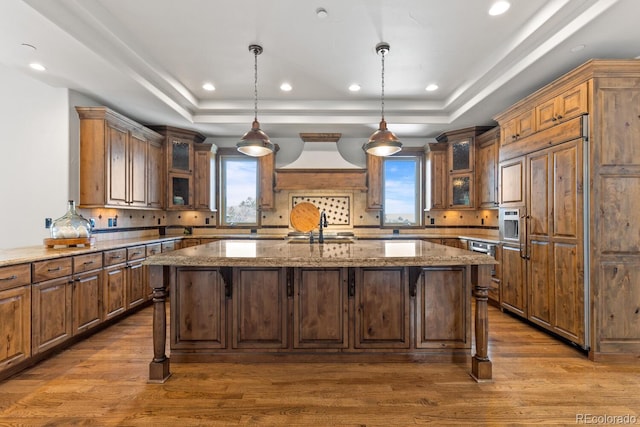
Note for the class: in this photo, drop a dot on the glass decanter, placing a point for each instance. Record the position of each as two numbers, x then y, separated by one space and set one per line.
71 225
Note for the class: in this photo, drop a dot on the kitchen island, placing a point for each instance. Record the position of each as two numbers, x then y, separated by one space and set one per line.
372 300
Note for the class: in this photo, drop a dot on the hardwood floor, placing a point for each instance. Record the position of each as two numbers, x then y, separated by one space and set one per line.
103 381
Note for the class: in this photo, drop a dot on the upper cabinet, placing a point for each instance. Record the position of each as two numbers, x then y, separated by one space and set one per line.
451 170
374 182
266 171
487 168
188 169
518 127
118 161
567 105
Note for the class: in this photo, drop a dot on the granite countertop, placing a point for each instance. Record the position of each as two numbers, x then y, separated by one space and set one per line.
281 253
38 253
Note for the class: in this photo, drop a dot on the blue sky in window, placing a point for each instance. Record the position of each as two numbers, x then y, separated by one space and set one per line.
399 189
241 180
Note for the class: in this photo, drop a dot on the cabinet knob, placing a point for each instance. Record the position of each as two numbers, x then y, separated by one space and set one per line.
559 116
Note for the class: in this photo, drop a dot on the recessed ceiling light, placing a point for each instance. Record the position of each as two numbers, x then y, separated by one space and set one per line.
208 86
285 87
431 87
354 87
37 66
499 7
578 48
321 12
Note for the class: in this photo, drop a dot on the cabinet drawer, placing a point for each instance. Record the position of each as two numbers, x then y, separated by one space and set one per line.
87 262
51 269
168 246
115 256
154 249
136 252
15 275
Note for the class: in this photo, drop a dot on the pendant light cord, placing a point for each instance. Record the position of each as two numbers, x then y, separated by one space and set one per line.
382 52
255 84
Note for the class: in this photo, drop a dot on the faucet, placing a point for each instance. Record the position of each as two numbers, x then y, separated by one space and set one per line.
323 223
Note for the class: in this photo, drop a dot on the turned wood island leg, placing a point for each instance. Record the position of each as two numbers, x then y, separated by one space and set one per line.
159 366
480 363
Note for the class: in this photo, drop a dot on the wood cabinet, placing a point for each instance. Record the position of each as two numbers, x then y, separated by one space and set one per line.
512 182
496 278
199 304
266 181
453 181
487 168
51 304
86 296
513 293
15 315
136 286
437 176
374 182
567 105
188 169
443 311
518 127
382 308
320 308
260 306
156 176
114 282
115 164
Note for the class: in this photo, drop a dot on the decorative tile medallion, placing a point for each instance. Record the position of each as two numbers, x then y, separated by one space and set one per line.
337 208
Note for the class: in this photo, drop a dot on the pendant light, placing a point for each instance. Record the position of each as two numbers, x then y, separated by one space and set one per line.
383 142
255 142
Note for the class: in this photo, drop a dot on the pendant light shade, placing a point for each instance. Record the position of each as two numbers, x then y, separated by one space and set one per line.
255 142
382 142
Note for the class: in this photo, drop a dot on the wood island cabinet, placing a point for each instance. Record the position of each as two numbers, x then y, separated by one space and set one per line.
116 169
15 315
320 308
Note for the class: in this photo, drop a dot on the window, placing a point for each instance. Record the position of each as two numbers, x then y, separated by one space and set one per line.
238 190
402 190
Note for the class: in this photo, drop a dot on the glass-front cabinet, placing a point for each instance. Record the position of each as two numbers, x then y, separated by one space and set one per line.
461 190
461 156
180 156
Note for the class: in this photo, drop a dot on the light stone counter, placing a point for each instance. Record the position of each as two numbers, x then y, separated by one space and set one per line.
283 253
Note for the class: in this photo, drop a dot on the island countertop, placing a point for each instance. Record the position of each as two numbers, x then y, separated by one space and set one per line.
283 253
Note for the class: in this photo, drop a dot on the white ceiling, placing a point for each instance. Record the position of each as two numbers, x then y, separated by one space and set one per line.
148 59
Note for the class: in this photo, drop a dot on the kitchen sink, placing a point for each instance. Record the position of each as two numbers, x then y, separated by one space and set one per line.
333 239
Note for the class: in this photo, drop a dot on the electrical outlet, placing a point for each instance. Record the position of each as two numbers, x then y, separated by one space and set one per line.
110 222
92 221
433 221
48 222
115 221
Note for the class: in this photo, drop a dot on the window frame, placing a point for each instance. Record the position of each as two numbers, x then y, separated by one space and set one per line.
232 154
417 154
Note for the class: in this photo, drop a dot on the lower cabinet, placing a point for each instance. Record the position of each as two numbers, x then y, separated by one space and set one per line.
85 300
137 291
15 324
513 295
51 313
320 308
259 313
114 281
382 308
304 310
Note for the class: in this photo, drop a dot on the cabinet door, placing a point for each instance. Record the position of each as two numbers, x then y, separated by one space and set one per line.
198 302
487 175
51 314
202 185
180 191
15 326
443 309
117 165
320 308
374 182
155 176
437 180
512 183
180 155
461 156
382 308
113 292
259 308
137 291
138 171
266 169
86 303
513 295
461 191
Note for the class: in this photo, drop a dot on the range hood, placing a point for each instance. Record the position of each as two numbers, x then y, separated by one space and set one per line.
320 151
